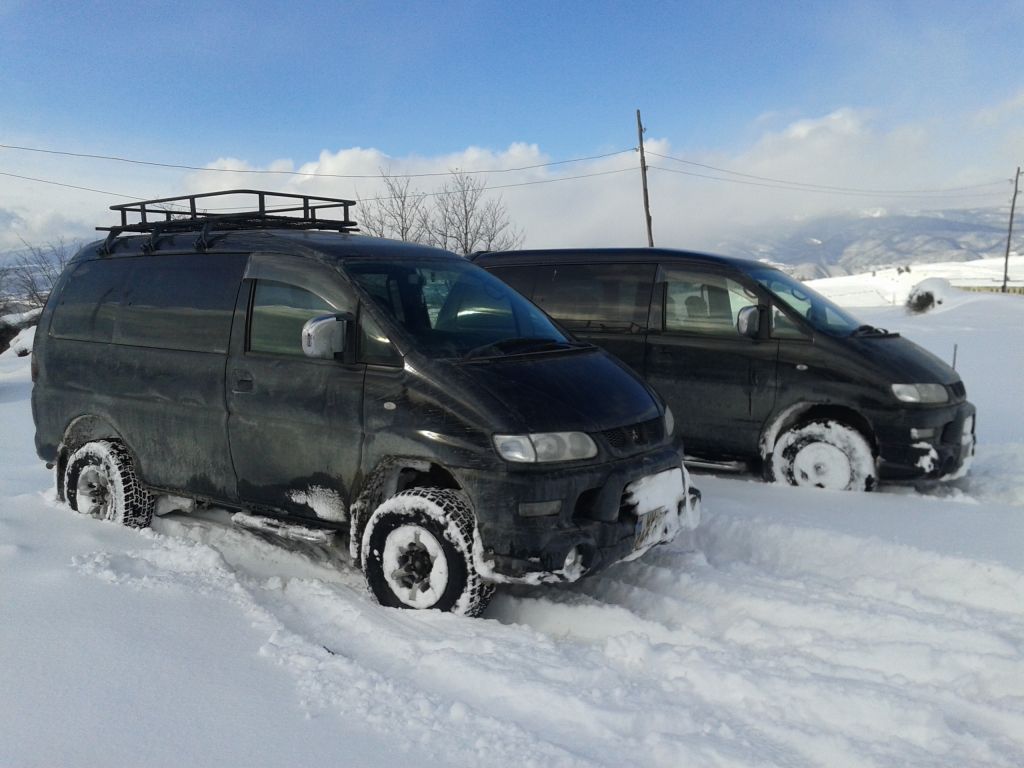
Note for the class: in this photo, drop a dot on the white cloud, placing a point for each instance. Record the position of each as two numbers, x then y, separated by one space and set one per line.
1010 108
846 148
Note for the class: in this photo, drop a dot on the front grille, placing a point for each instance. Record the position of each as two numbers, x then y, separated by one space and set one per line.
636 436
959 390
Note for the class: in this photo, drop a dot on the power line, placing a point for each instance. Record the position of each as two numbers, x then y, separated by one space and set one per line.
71 186
178 166
368 199
442 193
822 187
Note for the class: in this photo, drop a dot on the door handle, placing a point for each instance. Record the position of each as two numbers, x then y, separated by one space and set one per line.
243 381
801 367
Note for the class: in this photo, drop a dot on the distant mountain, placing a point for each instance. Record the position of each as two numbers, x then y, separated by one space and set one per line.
842 244
835 245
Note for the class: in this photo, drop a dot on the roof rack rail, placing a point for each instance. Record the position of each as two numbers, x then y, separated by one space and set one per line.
260 210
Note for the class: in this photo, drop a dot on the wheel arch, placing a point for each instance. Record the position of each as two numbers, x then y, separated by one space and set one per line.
804 413
79 431
390 476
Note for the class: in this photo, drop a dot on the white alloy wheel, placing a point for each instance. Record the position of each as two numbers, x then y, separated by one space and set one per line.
92 492
100 481
417 552
414 566
824 454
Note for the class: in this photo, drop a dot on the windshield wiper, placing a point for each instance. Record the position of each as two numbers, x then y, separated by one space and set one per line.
870 330
521 346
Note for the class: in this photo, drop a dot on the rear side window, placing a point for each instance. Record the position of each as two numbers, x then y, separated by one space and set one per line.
90 299
279 311
180 301
175 301
597 297
521 279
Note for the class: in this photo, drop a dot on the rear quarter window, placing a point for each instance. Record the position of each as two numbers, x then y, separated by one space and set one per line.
88 304
521 279
615 298
174 301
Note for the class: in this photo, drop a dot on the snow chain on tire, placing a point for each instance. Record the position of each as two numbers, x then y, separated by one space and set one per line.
109 462
446 515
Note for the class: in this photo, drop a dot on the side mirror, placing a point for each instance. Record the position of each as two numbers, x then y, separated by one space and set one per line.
323 337
748 322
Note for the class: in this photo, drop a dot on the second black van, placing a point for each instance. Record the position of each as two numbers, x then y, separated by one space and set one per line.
757 367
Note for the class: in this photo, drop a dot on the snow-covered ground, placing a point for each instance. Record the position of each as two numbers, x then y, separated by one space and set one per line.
796 628
890 286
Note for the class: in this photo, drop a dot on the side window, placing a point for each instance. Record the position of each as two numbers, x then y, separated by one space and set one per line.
89 301
279 311
521 279
705 304
598 297
180 301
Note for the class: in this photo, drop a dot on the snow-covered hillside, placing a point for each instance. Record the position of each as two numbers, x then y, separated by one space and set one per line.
842 244
796 628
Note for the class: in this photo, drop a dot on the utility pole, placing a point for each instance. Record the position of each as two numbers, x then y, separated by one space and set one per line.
1009 234
643 176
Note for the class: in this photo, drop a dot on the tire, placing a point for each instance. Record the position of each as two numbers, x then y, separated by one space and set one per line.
417 552
823 454
100 481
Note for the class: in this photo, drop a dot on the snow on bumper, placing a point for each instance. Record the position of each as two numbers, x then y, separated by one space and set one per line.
663 504
666 504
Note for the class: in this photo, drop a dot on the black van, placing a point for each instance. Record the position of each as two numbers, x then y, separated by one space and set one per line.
759 368
326 384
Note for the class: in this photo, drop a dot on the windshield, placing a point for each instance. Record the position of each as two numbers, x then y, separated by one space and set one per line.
456 309
821 313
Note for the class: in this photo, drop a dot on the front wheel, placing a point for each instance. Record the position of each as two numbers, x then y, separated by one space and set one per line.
417 553
100 481
823 454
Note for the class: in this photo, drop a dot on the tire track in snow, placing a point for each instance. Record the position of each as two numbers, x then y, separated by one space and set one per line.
215 561
696 658
790 628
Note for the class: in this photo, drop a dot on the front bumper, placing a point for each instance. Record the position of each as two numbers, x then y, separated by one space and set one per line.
947 454
599 523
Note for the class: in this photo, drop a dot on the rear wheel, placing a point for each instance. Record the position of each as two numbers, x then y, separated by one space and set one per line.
823 454
100 481
417 553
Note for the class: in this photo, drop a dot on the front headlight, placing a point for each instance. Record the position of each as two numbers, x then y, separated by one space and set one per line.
920 393
545 446
670 422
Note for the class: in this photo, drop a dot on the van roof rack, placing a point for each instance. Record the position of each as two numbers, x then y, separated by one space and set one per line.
258 209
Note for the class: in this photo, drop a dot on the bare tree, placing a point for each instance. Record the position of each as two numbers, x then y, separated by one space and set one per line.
33 274
6 298
465 220
398 213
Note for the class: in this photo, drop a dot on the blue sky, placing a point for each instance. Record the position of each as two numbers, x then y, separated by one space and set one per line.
263 81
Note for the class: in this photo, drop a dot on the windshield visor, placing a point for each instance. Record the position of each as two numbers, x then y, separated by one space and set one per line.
818 311
451 308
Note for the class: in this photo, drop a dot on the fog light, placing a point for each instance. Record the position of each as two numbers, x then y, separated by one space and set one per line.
539 508
924 433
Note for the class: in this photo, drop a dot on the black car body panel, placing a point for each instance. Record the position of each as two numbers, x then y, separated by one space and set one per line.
671 316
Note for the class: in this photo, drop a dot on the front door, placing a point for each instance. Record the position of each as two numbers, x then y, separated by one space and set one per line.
720 385
294 423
